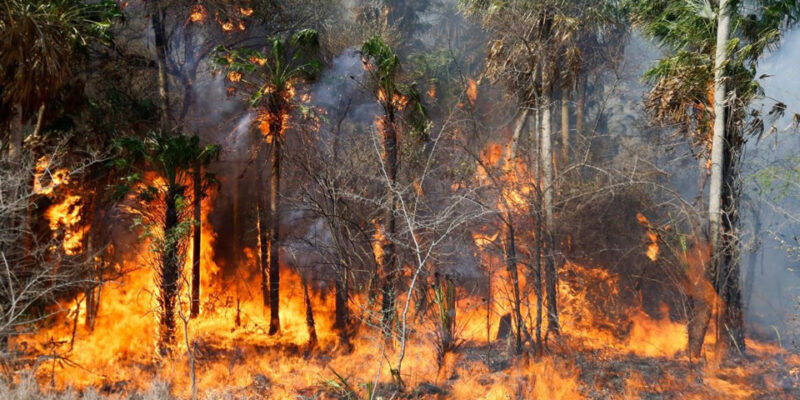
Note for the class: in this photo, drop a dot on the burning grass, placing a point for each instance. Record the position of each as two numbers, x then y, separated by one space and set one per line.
637 357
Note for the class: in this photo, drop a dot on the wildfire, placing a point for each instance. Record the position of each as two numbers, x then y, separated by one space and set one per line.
398 101
378 241
227 26
67 216
472 91
198 13
234 76
651 236
45 181
258 60
246 11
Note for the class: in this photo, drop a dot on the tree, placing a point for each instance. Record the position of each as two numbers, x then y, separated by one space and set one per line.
533 58
162 211
270 79
383 66
41 41
705 86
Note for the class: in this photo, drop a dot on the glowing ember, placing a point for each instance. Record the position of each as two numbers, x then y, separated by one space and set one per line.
472 91
227 26
198 13
652 237
234 76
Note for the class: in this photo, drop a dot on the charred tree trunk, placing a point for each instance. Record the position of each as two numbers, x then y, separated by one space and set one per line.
169 273
730 325
263 221
196 240
159 35
511 266
274 228
310 325
390 260
342 314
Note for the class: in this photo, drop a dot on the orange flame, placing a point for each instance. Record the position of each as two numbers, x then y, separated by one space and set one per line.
198 13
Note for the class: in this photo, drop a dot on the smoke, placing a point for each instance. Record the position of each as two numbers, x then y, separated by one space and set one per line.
769 216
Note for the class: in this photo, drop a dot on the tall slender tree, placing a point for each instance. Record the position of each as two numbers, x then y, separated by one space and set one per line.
172 158
270 80
396 99
705 86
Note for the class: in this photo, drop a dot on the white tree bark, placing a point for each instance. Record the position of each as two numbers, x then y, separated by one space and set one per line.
718 141
547 157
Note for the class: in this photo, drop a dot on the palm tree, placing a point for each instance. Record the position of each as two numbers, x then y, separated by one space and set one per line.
383 67
705 85
40 42
173 159
270 79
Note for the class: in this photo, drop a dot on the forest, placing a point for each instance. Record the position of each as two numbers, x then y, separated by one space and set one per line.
399 199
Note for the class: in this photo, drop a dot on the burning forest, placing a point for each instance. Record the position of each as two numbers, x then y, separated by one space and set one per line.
375 199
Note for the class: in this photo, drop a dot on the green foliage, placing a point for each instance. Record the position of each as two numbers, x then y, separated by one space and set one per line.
170 157
41 41
687 29
383 65
266 76
343 388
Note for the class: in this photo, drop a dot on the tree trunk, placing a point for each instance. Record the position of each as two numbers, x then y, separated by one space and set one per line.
730 323
15 144
169 274
263 221
580 104
564 129
159 35
310 325
518 127
538 221
546 159
723 199
718 140
37 129
274 228
341 313
196 240
511 267
390 261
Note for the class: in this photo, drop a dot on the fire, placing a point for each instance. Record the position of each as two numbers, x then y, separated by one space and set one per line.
246 11
258 60
44 180
482 240
399 101
234 76
472 91
652 237
227 26
67 216
234 350
378 241
198 13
